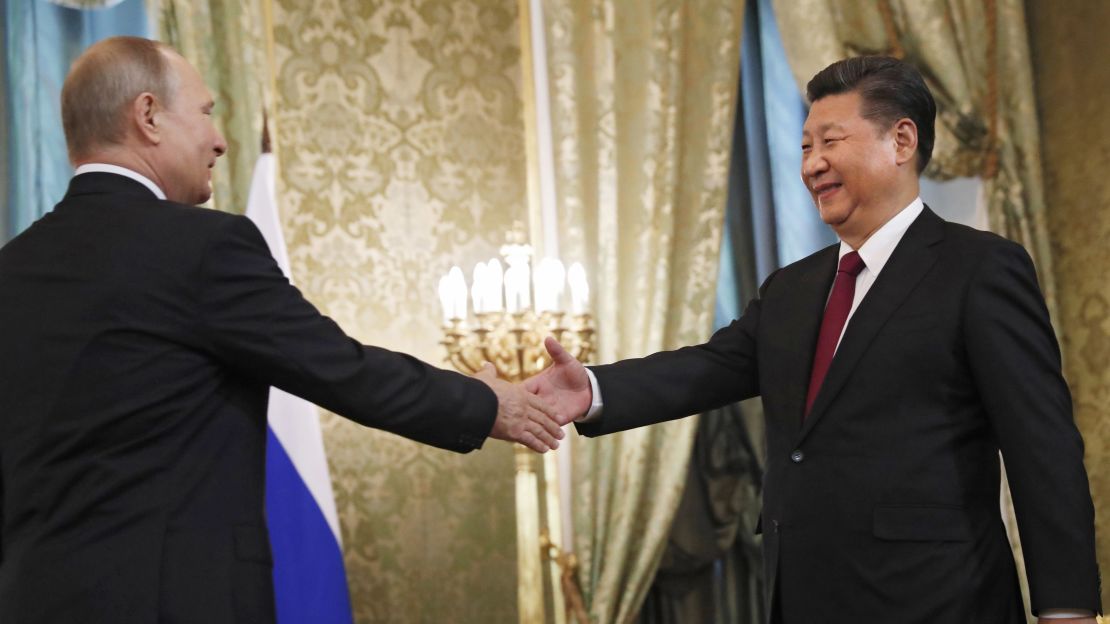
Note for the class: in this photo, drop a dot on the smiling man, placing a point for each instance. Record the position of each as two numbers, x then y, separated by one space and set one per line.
893 367
139 337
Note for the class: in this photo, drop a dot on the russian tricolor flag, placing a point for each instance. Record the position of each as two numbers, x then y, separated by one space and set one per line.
310 583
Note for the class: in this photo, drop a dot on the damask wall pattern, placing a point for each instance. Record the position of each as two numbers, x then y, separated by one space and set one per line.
401 150
1073 94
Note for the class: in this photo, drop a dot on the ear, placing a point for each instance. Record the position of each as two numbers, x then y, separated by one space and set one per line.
905 140
144 117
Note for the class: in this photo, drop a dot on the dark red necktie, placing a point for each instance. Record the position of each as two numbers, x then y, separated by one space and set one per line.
836 315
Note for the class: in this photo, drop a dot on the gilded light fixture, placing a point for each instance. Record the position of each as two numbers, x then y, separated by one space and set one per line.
514 309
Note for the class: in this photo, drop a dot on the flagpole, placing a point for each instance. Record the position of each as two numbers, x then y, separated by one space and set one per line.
270 102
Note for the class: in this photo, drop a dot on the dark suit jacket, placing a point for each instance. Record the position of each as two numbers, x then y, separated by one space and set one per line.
138 340
884 504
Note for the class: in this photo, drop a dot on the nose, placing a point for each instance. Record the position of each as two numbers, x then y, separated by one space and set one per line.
813 164
220 147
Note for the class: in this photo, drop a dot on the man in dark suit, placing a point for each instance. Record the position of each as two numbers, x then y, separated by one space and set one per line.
139 335
881 495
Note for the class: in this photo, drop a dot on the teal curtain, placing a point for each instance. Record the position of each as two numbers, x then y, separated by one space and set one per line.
40 41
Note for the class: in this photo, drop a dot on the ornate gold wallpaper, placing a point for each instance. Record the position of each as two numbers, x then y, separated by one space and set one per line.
401 151
1073 94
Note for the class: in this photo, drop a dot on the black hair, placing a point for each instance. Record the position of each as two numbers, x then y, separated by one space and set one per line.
891 89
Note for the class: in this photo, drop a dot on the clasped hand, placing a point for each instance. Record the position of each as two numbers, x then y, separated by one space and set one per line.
521 416
535 412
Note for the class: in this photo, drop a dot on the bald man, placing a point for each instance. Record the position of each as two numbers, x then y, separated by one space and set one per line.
139 335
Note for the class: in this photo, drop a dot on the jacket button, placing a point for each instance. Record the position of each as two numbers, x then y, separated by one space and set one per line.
797 456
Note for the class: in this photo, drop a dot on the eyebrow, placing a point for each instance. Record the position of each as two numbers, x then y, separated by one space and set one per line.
831 125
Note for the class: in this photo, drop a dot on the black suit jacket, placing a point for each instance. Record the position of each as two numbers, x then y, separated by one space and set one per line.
884 504
138 340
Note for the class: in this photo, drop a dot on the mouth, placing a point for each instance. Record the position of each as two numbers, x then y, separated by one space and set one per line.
826 190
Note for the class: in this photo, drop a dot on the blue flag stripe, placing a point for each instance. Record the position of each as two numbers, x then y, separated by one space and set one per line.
310 582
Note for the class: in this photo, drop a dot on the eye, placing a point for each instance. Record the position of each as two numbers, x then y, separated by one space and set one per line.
805 147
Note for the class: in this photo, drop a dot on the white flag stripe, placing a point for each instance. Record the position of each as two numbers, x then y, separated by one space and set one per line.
294 421
262 209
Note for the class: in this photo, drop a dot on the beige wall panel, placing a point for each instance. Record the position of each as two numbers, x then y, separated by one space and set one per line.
401 149
1073 93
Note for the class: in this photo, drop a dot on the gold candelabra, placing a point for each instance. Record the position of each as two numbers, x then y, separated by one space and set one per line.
513 311
513 342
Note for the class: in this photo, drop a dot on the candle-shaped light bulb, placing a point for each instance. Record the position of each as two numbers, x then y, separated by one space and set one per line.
512 300
478 288
445 298
579 289
495 278
517 284
524 286
549 279
458 292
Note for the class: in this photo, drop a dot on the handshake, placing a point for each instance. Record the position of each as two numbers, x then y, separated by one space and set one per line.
534 412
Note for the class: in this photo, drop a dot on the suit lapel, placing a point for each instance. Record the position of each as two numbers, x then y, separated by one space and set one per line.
911 260
800 322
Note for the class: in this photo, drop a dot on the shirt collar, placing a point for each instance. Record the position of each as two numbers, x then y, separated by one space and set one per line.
123 171
876 250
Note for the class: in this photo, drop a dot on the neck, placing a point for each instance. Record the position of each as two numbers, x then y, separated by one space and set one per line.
123 156
856 234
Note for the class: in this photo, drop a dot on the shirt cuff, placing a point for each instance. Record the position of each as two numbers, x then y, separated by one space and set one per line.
595 406
1055 614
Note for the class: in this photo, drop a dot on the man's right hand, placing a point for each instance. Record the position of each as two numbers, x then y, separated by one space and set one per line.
521 416
565 384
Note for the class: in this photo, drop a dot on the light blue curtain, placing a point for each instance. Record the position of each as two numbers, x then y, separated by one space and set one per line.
770 217
40 41
4 138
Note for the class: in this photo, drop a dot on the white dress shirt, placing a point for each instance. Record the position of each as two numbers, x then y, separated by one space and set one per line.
123 171
874 252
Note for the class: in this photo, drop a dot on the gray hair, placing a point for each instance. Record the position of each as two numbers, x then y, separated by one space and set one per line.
102 84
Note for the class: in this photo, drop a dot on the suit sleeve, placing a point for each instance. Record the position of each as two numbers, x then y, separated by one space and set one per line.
673 384
1015 361
257 323
1 513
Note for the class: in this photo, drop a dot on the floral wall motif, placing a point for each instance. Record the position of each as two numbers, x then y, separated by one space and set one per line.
401 147
1073 94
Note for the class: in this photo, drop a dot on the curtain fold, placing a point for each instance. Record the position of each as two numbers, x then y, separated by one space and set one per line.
643 101
226 41
712 568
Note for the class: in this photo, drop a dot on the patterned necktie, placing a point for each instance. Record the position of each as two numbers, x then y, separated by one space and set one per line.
836 315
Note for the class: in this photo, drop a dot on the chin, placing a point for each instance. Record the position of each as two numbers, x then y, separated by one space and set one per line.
831 217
